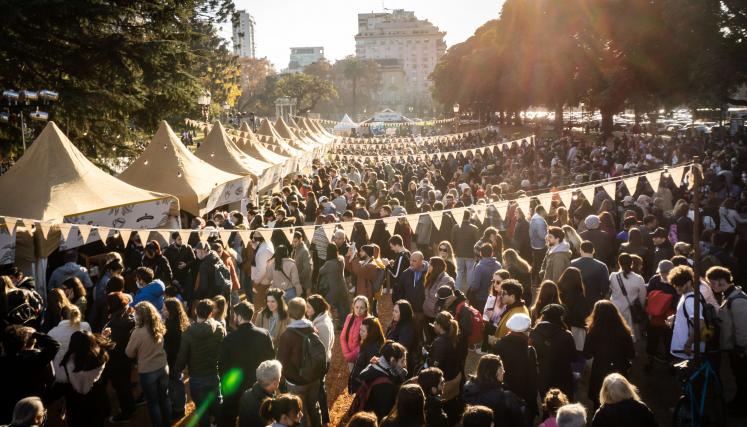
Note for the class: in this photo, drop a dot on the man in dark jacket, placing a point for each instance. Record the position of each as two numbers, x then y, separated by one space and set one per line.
198 351
555 351
290 354
482 277
520 359
463 238
595 274
385 378
603 242
410 286
268 375
241 352
205 286
25 367
181 258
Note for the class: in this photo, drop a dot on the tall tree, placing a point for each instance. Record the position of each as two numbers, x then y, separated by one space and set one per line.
307 89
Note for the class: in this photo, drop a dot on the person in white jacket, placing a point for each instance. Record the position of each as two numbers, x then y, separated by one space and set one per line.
634 286
317 310
69 324
263 251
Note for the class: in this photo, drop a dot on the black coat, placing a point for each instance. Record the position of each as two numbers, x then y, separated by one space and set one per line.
520 363
603 244
176 254
434 412
121 324
364 358
443 355
625 413
612 352
28 373
249 406
161 268
408 288
405 335
382 397
244 349
556 351
509 410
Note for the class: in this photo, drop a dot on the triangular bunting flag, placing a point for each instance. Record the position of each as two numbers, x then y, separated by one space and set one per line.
246 237
611 189
524 205
545 200
85 231
369 225
225 235
103 233
631 184
677 174
654 178
480 213
437 218
45 227
10 224
65 230
125 233
309 230
28 223
144 234
184 234
588 192
390 223
566 196
347 227
266 233
329 231
165 235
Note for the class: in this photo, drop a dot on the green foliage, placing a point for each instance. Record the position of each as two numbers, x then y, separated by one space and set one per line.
119 66
308 90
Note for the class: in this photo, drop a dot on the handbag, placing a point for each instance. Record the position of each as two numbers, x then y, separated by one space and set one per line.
637 312
451 388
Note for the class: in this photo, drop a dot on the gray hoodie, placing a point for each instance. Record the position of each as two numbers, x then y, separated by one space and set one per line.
67 271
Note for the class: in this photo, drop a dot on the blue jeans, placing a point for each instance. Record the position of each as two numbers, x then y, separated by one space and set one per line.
290 293
155 385
205 391
465 267
177 393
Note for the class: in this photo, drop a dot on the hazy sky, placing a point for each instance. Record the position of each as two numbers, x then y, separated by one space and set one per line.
333 23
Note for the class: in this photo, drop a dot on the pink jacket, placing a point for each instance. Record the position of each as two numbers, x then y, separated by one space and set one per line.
352 345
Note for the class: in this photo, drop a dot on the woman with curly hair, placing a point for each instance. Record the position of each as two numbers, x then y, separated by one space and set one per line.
146 346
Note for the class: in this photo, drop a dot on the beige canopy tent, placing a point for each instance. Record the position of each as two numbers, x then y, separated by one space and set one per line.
219 150
54 182
248 142
271 135
167 165
285 132
320 128
314 133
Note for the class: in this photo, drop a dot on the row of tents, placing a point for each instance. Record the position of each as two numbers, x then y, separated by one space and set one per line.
53 182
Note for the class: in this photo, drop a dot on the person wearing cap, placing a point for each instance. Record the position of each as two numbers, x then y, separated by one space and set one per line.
520 360
657 332
555 349
663 248
511 299
558 256
602 240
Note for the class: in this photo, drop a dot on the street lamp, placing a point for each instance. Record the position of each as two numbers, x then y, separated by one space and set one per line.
203 100
456 117
226 111
27 101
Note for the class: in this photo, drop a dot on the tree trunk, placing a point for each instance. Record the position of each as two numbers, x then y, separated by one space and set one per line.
559 118
606 125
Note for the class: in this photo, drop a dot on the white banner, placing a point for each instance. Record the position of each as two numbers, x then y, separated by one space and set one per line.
229 192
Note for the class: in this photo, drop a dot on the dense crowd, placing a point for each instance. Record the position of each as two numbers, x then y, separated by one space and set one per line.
537 296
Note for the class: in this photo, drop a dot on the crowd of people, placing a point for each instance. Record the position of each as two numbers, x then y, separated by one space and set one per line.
541 298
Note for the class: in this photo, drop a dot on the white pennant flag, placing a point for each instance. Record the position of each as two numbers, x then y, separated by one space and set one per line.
10 224
480 213
308 230
347 227
654 178
103 233
65 230
184 234
266 233
611 189
677 175
125 233
144 234
246 237
566 196
523 205
45 227
369 225
588 192
329 231
631 184
390 223
288 232
85 231
437 218
545 200
224 236
165 235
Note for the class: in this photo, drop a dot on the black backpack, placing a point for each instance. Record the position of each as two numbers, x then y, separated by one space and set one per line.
712 328
221 279
313 356
23 308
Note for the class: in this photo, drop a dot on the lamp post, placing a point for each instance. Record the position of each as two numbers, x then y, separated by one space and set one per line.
27 102
226 111
203 100
456 117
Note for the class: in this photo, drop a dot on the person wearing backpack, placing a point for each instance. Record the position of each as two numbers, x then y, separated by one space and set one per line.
733 337
304 360
211 280
471 324
380 381
661 303
682 278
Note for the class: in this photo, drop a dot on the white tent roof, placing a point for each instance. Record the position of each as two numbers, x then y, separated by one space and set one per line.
346 124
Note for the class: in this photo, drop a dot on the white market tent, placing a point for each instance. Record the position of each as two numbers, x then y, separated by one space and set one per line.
345 125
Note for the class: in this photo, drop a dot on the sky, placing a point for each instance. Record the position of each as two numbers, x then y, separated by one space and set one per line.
282 24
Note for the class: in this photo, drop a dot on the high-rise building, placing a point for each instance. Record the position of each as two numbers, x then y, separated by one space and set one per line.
300 57
243 35
416 43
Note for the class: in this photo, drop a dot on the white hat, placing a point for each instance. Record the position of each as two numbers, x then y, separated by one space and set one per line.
519 322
